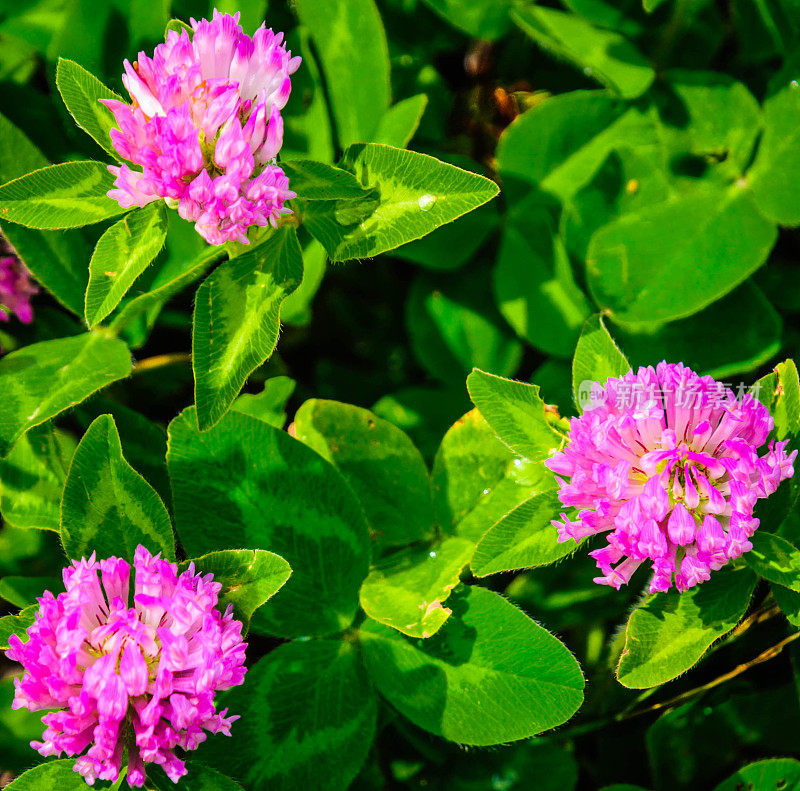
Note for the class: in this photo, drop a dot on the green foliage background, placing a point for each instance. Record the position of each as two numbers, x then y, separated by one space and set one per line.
648 156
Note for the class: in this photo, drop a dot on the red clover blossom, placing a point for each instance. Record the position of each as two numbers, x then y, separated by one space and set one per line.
205 127
667 466
141 677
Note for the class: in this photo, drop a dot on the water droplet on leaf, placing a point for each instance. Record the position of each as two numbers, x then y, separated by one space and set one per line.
426 201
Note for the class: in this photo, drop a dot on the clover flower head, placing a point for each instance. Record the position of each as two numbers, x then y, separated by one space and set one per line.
141 677
16 287
205 127
666 465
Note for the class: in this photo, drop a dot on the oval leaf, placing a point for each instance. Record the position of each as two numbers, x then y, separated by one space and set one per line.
56 260
411 195
407 589
516 414
53 774
774 559
671 259
669 632
489 675
773 774
249 577
237 319
16 624
60 196
107 507
81 92
777 166
386 471
524 539
478 480
41 380
123 252
597 357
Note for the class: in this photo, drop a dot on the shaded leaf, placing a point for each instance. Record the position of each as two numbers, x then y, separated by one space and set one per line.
789 603
559 144
197 778
41 380
296 308
308 129
308 720
379 461
602 54
533 281
18 728
485 19
719 116
400 121
351 43
758 336
23 591
247 484
107 507
714 733
33 476
57 260
145 442
454 326
775 559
